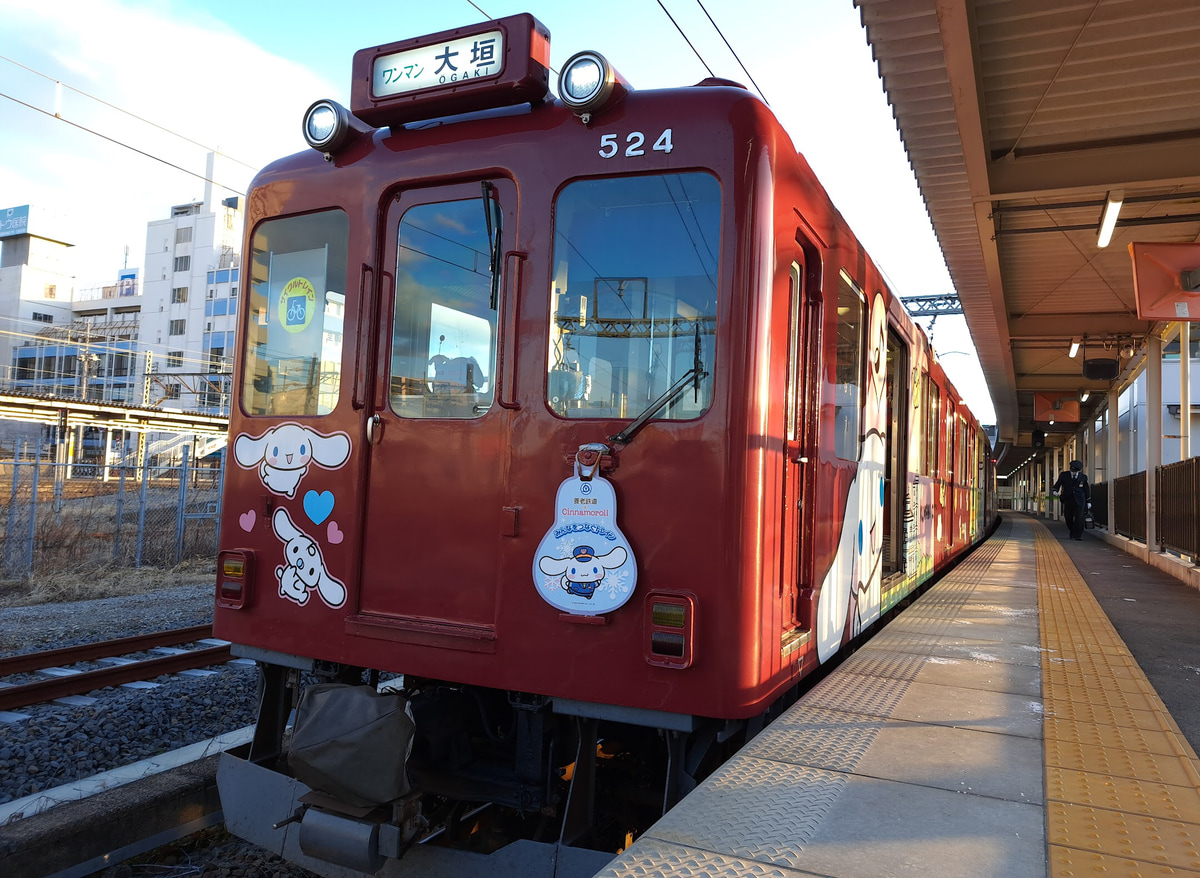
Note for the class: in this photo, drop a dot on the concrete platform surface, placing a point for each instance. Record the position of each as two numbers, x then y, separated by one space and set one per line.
999 726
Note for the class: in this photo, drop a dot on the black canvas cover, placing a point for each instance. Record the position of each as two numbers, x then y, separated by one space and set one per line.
352 743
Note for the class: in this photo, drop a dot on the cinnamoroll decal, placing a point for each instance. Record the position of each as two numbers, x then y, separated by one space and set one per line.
584 564
283 454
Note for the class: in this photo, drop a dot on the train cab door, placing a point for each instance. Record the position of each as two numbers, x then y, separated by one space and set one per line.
436 429
896 456
804 347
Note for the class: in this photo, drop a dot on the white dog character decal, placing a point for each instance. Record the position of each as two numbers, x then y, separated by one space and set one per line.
283 453
584 570
304 569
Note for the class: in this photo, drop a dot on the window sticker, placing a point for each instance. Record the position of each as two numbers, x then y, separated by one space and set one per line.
303 570
283 454
296 304
584 564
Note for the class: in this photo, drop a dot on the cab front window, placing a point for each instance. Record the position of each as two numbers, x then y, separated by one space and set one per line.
296 302
444 333
634 299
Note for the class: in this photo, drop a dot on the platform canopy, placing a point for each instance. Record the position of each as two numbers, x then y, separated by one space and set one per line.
1021 118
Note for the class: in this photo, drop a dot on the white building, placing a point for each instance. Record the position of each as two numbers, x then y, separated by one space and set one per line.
36 277
1134 416
191 289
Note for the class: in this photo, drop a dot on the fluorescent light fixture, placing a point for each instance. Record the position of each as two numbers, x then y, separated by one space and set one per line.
1108 222
1074 348
1083 397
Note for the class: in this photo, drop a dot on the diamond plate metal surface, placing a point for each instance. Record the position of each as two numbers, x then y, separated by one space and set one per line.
885 663
754 809
876 696
818 738
654 858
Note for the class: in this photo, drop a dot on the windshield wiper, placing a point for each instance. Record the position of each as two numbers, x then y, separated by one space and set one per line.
491 217
694 375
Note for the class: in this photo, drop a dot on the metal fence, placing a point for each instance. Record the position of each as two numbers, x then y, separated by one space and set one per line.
57 516
1178 494
1100 504
1129 493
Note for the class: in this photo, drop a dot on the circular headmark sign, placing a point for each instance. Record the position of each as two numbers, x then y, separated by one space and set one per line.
296 304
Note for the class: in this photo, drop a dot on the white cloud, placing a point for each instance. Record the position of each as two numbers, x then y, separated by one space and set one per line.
194 76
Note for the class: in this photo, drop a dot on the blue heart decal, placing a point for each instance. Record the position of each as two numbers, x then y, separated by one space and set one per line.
318 506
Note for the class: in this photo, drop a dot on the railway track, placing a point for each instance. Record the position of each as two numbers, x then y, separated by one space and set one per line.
61 680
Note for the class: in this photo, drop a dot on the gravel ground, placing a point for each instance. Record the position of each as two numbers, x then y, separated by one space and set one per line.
59 743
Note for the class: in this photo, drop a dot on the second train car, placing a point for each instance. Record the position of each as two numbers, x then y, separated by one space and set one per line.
569 434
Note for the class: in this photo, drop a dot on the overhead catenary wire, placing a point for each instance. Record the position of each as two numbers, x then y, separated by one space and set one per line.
113 140
721 34
685 38
122 110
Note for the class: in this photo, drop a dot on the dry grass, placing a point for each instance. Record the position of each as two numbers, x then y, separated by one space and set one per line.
87 581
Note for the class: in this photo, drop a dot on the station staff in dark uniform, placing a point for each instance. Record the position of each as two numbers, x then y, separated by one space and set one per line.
1073 489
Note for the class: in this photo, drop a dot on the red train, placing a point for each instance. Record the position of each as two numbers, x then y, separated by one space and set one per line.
570 434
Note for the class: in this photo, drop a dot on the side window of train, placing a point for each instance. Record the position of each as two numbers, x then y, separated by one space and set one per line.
296 302
444 331
933 422
633 310
847 388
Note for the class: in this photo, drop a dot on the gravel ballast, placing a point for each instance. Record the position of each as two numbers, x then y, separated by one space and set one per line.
59 743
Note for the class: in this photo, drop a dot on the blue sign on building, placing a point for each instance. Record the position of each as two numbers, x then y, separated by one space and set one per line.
14 221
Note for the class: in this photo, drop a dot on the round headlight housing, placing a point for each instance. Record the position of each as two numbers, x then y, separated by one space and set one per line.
328 126
587 82
320 124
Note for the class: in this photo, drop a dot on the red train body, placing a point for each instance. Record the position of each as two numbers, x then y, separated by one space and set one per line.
449 331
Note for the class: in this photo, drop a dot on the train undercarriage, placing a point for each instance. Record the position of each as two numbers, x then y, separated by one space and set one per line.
420 777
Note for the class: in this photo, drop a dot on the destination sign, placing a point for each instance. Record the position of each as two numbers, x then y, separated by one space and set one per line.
490 64
461 60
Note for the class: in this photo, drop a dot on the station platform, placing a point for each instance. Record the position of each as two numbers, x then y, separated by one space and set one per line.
999 726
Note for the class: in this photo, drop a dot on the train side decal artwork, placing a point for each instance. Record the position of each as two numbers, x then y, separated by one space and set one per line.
850 593
303 570
584 565
284 453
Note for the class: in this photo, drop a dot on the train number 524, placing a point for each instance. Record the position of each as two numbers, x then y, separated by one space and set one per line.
635 144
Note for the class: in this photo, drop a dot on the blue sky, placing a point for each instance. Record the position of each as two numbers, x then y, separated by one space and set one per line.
236 76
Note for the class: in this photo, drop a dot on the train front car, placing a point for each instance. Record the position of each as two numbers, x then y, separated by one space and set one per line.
533 500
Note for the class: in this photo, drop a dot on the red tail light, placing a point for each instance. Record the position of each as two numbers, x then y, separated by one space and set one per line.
670 629
235 572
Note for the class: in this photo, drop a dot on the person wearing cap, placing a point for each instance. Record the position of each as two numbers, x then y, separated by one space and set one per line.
1073 490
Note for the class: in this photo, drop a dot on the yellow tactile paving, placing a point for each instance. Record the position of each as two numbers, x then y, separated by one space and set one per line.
1122 783
1133 795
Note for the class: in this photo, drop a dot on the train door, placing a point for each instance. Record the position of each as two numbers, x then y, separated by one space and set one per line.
437 433
932 469
804 352
895 455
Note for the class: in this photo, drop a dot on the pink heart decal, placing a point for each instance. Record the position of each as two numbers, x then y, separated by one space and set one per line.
335 535
247 519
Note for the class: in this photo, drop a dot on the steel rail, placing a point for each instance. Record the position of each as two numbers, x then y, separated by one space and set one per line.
50 658
87 681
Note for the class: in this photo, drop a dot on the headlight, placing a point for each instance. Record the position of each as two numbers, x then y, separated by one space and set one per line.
588 83
328 126
320 124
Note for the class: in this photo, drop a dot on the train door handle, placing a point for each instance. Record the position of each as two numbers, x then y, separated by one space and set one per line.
374 429
506 389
